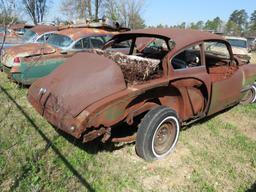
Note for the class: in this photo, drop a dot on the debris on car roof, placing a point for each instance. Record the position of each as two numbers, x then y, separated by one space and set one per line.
40 29
104 23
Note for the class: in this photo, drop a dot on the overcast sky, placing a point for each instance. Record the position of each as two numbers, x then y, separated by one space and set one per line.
172 12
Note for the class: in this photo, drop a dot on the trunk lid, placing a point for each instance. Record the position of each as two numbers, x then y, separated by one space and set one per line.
81 81
26 50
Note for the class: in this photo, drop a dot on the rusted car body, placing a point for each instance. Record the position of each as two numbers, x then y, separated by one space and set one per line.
175 82
20 28
27 63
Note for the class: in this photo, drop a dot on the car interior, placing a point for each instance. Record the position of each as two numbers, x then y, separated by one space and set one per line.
218 62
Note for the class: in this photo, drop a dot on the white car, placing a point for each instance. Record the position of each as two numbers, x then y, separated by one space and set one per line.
240 47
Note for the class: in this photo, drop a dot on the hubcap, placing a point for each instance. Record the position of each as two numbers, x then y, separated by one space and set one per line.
248 97
165 137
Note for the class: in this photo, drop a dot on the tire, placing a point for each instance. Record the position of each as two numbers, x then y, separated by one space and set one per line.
250 96
157 134
254 90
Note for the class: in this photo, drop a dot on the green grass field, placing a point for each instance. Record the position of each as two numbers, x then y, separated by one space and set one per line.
218 154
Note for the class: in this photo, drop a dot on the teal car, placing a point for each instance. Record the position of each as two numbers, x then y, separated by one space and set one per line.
25 64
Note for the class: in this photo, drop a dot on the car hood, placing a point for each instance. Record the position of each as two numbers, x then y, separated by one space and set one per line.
239 51
81 81
26 50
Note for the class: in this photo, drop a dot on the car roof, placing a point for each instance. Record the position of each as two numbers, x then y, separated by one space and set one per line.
21 26
181 37
77 33
40 29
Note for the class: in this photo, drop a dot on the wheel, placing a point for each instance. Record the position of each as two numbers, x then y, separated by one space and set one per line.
254 91
157 134
250 96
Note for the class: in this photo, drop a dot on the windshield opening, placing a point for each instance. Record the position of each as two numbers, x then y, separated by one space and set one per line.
60 41
237 43
29 36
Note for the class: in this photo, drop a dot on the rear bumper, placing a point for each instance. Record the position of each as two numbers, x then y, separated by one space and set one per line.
60 120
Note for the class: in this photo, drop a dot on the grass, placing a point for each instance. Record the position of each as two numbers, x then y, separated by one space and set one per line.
253 58
215 155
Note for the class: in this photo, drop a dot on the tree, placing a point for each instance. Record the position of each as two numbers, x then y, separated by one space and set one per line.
127 12
214 24
81 9
36 9
240 17
232 28
7 17
112 9
197 25
252 26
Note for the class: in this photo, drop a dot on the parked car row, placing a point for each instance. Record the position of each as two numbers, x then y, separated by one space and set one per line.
86 81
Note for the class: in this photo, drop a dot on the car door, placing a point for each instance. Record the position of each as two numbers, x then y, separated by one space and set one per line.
226 77
191 79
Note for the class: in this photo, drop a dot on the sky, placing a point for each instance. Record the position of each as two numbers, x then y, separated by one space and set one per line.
173 12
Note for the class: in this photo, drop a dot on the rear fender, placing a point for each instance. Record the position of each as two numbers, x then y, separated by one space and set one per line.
194 97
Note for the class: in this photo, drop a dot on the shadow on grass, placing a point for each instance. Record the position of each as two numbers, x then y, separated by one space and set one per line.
49 143
252 189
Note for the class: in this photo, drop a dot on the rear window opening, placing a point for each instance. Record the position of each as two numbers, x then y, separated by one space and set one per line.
136 69
140 60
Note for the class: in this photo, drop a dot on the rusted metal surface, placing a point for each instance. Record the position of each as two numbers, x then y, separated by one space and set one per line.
40 29
21 26
90 93
77 33
28 50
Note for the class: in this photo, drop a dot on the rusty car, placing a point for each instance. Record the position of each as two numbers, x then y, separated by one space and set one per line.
37 33
240 47
26 63
21 28
172 82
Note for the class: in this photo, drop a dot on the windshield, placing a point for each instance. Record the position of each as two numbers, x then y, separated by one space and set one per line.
60 41
238 43
29 36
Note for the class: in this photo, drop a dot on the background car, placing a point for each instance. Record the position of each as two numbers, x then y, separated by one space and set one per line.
240 47
172 81
35 34
27 63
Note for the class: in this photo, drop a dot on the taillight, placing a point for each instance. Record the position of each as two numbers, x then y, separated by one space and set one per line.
15 69
16 60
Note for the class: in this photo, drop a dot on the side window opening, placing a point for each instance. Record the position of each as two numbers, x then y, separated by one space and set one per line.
188 58
97 41
82 44
218 60
44 38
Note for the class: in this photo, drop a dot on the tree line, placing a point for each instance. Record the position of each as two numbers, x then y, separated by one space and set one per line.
239 23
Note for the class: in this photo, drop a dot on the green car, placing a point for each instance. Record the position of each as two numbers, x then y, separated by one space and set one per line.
26 63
